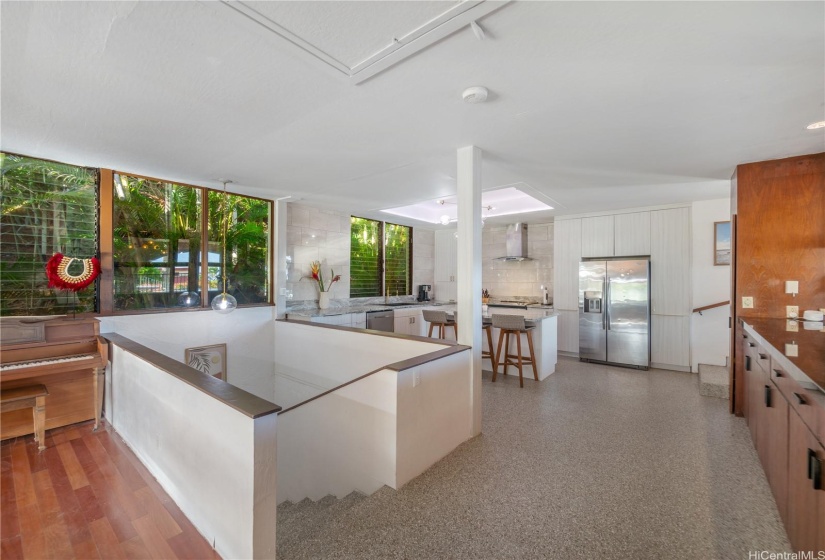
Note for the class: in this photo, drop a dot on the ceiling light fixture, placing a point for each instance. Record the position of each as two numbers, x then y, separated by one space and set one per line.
475 94
224 303
816 125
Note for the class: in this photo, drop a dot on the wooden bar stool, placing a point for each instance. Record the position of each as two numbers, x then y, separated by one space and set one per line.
514 325
490 352
30 396
441 320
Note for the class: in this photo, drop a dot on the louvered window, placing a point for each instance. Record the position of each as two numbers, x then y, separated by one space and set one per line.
47 207
380 258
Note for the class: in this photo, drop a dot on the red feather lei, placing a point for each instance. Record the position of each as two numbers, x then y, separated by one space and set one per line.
57 271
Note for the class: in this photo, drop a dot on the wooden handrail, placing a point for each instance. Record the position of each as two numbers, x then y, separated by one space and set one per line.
711 306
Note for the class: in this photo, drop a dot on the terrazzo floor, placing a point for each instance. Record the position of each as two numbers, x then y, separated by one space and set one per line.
593 462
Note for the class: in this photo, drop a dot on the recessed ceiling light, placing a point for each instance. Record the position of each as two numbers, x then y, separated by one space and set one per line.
814 126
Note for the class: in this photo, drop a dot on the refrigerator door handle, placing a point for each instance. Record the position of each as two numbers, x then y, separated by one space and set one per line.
607 302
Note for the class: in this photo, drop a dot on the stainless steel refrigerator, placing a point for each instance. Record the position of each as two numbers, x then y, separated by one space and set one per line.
614 311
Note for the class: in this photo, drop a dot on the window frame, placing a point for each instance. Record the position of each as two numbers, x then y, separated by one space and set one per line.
106 236
382 254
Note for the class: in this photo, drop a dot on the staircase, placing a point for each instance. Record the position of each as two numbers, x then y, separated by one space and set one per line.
300 524
714 381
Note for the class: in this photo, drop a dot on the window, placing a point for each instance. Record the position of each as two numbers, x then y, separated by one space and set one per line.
156 244
380 258
47 207
159 245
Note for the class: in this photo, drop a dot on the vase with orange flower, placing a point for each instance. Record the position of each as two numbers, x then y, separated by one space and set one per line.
324 289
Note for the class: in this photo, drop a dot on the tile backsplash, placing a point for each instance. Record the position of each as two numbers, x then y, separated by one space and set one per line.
514 278
316 235
324 235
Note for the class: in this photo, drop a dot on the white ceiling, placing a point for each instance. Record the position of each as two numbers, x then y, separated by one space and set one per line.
597 106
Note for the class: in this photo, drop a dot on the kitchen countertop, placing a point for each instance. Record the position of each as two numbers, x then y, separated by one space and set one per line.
809 366
533 312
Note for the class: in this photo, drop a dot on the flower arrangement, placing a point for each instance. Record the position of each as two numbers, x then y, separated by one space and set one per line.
485 296
317 275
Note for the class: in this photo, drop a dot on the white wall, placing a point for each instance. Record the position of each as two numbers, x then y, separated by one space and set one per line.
517 278
204 453
710 337
248 333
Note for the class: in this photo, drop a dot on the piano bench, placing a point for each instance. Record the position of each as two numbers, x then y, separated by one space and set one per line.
30 396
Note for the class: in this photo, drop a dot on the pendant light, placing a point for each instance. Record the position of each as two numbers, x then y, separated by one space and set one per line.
224 303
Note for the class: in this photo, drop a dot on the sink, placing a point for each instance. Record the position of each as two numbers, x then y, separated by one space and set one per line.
396 304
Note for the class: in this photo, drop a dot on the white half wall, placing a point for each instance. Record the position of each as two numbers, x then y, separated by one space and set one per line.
710 337
248 333
212 459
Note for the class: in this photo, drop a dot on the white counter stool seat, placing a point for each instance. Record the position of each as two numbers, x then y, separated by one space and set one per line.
513 325
441 320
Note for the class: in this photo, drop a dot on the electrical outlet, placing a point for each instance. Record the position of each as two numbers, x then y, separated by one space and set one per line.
792 311
792 350
792 326
747 303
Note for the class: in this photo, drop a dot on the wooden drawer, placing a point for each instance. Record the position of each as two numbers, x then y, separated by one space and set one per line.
808 404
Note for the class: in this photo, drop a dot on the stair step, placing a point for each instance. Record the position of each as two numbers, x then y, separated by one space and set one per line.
714 381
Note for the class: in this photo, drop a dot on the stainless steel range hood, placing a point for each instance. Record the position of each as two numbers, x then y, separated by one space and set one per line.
516 243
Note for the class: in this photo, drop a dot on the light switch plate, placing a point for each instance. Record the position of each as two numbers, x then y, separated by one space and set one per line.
416 378
792 350
792 326
792 311
747 303
791 287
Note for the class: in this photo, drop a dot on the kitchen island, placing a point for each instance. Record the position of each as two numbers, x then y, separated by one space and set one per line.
409 321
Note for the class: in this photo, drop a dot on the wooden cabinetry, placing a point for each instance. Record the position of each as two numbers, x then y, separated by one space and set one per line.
567 246
631 234
806 503
597 236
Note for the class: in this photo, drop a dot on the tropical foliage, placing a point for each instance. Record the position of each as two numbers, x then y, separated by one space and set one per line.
47 207
377 248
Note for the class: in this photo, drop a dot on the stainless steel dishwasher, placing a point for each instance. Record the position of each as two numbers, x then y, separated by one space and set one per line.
381 320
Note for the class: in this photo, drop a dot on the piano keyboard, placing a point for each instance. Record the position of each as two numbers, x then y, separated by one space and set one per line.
48 362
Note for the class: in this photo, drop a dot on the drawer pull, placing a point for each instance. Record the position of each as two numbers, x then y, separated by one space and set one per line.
814 470
763 356
751 344
768 396
800 399
747 363
777 373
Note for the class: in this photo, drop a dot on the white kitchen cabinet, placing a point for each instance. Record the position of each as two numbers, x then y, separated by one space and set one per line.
407 321
670 341
670 261
446 265
597 236
631 234
567 244
568 327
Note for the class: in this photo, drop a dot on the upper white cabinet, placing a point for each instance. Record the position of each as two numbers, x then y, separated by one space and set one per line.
670 261
597 236
632 234
446 265
446 252
567 247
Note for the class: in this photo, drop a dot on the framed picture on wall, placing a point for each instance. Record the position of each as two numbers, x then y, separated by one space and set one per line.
211 360
721 243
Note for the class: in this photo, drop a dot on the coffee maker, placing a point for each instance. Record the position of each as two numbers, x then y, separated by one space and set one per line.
424 292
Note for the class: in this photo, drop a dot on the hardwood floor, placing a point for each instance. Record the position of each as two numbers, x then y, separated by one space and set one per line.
87 496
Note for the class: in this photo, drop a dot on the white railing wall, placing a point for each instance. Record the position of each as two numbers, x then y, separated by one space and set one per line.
217 462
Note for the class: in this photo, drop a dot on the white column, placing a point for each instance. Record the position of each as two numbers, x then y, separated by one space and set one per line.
279 249
469 270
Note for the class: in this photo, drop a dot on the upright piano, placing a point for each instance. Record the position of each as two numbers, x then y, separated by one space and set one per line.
66 355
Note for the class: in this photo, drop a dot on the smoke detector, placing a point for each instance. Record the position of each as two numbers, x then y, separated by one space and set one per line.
475 94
